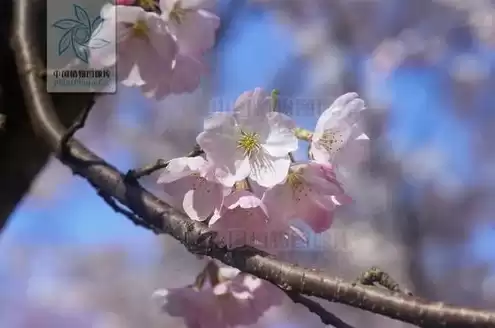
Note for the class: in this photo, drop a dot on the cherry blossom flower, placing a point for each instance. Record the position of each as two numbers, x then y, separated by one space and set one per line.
194 29
336 127
184 77
145 47
243 220
251 142
191 183
238 299
311 193
193 26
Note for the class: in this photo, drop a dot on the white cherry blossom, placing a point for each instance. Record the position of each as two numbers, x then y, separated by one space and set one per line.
145 48
336 127
251 142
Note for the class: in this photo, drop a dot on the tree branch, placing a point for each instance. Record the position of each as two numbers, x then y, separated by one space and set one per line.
22 155
326 317
158 165
196 237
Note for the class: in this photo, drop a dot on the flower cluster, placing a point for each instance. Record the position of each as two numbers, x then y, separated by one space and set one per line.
245 184
220 298
247 187
160 45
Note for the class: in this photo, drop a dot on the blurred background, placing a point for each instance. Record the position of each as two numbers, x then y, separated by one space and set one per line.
423 211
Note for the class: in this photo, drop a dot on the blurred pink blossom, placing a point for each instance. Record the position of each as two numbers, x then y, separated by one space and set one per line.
190 181
145 48
238 299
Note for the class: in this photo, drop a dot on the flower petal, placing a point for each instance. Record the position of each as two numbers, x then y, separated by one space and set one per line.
267 170
251 109
331 141
196 33
178 168
238 226
218 140
186 74
281 139
243 199
338 111
274 197
161 40
200 202
318 218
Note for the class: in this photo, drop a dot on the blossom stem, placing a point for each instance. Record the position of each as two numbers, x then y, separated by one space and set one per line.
243 185
303 134
210 271
292 159
274 97
328 318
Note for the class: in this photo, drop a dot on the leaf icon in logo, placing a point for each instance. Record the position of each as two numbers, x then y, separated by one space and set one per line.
80 33
96 25
97 43
66 23
81 52
65 42
82 15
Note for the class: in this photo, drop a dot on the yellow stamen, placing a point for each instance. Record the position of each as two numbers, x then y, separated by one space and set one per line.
140 29
241 185
147 4
331 141
249 142
295 179
178 13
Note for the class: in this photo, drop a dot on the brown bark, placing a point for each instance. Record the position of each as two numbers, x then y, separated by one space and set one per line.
22 155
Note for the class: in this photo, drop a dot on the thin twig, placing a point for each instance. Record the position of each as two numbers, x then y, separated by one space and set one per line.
126 212
76 126
326 317
292 159
158 165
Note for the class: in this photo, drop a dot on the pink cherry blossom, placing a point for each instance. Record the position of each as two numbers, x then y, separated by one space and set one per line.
184 77
145 47
311 192
191 183
243 220
251 142
238 299
194 29
192 25
336 127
